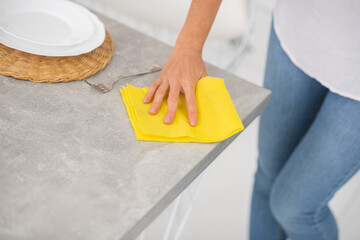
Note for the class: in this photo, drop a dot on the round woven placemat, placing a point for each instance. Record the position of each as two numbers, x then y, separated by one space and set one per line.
38 68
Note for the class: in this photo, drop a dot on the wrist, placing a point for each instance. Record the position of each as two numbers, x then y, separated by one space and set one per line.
185 48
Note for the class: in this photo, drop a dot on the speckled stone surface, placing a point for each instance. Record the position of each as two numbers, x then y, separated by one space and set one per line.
70 166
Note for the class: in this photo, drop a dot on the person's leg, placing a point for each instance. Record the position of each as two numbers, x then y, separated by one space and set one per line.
327 157
295 100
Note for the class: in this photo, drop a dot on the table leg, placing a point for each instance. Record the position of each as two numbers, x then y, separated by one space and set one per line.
191 197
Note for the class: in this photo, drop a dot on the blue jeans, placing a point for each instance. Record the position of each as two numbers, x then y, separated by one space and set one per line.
309 146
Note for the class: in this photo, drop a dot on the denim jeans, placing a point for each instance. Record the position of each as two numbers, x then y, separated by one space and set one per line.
309 146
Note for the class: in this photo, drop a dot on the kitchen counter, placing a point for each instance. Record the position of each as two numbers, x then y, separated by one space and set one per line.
70 166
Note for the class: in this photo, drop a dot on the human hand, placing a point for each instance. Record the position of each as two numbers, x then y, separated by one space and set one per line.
180 74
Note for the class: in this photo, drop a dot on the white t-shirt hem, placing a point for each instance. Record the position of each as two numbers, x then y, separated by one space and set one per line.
296 63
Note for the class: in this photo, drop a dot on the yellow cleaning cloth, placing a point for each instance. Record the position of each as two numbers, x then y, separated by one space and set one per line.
217 116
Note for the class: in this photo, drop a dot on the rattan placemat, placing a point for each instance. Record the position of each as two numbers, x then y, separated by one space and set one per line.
38 68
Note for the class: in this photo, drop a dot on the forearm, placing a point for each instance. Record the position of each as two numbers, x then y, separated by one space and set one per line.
198 23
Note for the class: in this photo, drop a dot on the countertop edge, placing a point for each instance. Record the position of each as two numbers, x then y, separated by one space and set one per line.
191 176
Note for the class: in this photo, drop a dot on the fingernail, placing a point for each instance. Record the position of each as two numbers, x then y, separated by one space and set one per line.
167 119
192 122
145 99
152 109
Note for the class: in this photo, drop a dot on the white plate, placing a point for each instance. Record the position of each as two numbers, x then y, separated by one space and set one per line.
45 22
93 42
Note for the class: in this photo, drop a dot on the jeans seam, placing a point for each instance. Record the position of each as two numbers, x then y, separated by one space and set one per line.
356 165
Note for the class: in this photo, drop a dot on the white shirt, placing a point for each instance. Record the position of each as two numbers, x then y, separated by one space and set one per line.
322 38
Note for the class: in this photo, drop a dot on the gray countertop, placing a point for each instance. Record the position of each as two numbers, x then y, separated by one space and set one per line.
70 166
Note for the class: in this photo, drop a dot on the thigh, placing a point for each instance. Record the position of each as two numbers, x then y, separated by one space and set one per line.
296 98
327 157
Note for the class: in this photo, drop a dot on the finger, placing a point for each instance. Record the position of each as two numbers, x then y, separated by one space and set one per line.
152 89
158 98
172 102
191 105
